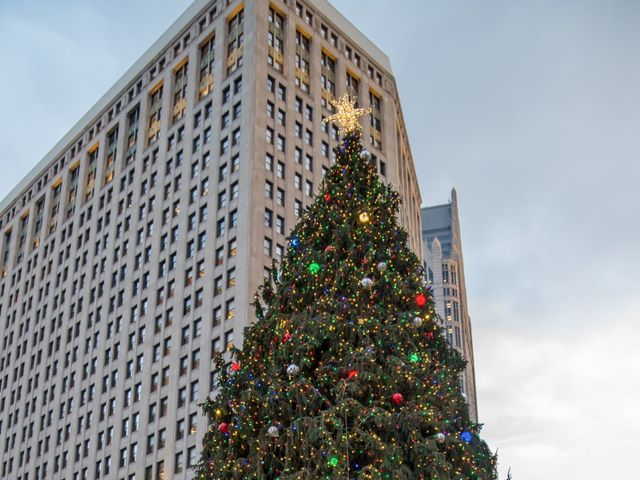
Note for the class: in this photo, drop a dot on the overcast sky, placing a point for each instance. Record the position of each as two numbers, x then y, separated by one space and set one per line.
531 109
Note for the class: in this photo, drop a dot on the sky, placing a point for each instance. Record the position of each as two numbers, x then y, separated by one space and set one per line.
531 110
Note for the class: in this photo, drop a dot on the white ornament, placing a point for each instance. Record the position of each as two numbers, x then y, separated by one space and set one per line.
382 266
365 155
366 282
292 370
440 438
417 321
272 431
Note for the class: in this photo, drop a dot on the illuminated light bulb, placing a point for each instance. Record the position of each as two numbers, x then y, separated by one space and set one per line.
364 218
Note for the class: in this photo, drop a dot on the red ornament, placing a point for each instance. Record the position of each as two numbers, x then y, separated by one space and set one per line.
429 335
287 337
397 398
421 299
352 373
235 366
327 197
329 248
223 427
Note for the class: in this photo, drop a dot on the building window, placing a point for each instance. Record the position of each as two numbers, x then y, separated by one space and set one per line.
353 86
268 218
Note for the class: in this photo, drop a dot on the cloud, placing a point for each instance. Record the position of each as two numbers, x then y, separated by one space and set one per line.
562 403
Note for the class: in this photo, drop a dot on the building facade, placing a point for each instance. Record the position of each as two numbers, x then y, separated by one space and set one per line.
445 271
131 252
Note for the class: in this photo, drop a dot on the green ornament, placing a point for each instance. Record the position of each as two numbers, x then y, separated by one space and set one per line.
333 461
414 357
314 268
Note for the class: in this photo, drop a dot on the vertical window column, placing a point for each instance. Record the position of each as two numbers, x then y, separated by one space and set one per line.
235 41
110 161
375 101
207 58
327 79
133 119
155 112
303 57
275 39
180 91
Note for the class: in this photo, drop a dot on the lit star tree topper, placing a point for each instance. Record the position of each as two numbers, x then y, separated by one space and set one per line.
347 116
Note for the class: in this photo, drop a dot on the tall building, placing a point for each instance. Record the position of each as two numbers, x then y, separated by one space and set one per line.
131 252
445 271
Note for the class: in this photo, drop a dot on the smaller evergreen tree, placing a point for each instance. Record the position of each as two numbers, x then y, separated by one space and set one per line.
346 373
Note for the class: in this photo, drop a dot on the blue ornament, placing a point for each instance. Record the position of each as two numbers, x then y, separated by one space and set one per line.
466 436
295 242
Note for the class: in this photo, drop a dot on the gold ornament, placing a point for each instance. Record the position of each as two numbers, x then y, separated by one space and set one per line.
348 116
364 217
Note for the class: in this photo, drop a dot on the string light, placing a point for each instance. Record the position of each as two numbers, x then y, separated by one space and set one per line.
337 379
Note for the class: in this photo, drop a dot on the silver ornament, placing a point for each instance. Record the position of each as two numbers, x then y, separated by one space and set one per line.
292 370
417 321
272 431
382 266
365 155
366 282
440 438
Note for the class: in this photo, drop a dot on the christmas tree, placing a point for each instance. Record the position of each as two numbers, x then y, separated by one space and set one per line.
346 373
